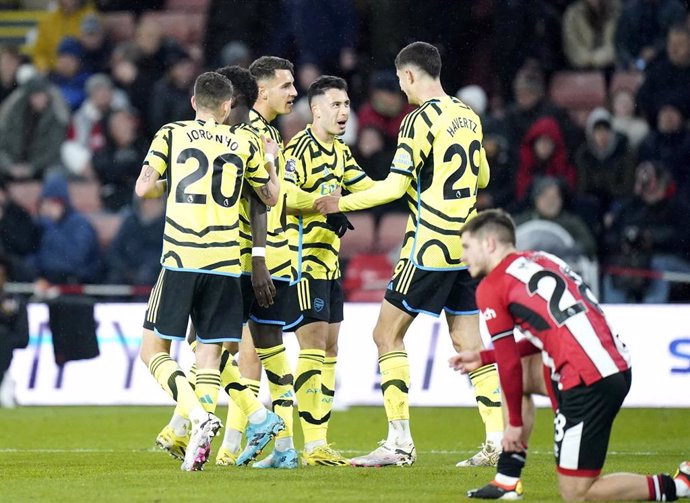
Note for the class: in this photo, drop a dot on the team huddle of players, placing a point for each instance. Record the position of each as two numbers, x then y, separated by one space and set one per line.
252 236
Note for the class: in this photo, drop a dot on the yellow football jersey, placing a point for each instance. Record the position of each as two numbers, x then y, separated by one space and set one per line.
320 169
278 254
205 164
440 149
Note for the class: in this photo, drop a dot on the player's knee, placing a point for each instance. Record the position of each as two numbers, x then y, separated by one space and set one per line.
575 488
383 338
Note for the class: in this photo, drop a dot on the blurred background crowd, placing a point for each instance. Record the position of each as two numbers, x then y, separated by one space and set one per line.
585 106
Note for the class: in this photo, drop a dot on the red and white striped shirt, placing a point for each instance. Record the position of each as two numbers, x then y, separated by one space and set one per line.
541 296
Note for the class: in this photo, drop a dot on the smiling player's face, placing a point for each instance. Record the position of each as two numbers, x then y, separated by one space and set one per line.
331 111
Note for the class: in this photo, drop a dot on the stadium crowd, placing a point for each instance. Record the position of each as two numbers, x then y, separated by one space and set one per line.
585 107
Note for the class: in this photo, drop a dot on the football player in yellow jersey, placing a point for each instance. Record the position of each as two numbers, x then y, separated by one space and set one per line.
319 163
439 164
205 163
258 292
261 266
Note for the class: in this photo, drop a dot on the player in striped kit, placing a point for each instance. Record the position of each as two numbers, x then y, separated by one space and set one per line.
538 294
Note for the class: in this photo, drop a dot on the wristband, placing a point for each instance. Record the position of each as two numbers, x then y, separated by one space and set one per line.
259 251
269 158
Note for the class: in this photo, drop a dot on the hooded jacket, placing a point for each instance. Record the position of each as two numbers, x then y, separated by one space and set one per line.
557 165
607 173
68 251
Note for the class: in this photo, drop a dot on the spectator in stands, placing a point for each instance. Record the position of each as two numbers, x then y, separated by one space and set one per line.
118 164
530 105
624 119
668 78
169 100
548 201
33 123
329 41
18 233
386 106
154 53
14 332
10 59
68 251
235 53
605 163
525 31
670 144
641 31
649 231
87 131
588 30
68 75
500 193
474 97
543 152
127 77
292 123
230 21
373 152
95 44
133 257
65 21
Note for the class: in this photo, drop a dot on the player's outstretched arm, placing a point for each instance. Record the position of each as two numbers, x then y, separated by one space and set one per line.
384 191
148 184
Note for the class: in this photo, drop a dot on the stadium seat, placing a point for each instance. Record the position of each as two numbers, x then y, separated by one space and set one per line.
626 80
187 5
85 196
578 92
120 25
361 240
186 27
26 194
107 225
391 232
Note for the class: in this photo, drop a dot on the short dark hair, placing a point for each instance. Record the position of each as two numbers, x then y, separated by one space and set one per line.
211 89
422 55
323 84
496 221
266 66
243 83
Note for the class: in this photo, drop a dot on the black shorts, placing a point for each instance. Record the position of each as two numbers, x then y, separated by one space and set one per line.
312 300
271 315
213 301
582 426
416 290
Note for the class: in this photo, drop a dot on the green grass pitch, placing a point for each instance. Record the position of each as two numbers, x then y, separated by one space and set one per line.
103 454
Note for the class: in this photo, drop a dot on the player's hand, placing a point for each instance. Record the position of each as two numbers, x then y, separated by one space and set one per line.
339 224
512 439
465 361
264 290
270 145
327 204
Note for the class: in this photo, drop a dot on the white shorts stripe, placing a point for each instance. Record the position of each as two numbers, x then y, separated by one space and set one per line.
570 447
